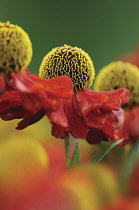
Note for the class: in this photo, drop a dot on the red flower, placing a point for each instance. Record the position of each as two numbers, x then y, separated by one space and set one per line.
32 97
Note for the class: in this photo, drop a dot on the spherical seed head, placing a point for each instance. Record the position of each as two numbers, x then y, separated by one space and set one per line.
15 48
69 61
116 75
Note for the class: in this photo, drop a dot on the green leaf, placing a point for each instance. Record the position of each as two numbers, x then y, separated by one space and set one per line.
98 157
76 157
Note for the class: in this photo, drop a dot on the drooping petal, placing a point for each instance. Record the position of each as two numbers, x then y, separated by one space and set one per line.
58 116
38 94
57 87
29 119
11 106
59 132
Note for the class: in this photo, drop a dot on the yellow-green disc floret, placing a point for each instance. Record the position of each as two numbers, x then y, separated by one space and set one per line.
116 75
69 61
15 48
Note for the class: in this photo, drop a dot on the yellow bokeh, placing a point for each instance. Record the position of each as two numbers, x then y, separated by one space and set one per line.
23 163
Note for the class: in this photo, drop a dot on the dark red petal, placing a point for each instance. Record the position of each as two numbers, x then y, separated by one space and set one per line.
2 83
10 106
12 113
59 131
29 119
95 136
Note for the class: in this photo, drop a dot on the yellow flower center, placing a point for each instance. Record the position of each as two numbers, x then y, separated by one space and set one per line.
119 74
69 61
15 48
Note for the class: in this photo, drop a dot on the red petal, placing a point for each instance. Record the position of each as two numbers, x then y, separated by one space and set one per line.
29 119
109 130
10 106
88 100
2 83
116 98
57 87
58 116
59 132
105 134
12 113
77 125
95 136
38 94
95 119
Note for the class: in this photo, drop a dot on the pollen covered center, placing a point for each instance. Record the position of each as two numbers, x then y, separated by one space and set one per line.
15 48
116 75
69 61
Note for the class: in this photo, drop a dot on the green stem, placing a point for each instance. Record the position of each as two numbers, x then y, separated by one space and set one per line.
67 152
76 157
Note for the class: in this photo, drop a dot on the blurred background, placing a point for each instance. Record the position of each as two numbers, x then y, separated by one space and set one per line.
104 29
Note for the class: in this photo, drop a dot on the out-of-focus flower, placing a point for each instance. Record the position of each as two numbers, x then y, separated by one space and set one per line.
15 52
95 185
30 179
132 57
123 203
123 75
133 182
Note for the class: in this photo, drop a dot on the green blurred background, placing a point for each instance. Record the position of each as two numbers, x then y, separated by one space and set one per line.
104 29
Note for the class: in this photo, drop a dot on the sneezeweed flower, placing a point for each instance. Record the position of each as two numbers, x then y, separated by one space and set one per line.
15 52
86 111
123 75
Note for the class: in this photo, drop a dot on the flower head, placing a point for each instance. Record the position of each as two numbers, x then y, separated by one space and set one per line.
69 61
123 75
86 111
119 74
15 51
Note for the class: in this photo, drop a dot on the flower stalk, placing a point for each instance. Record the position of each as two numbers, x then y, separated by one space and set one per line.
76 157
